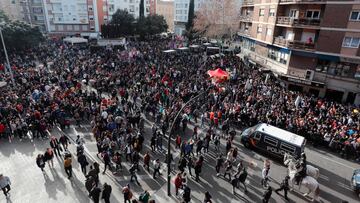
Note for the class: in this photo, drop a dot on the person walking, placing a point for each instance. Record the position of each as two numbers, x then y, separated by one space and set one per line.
265 173
107 162
5 185
219 163
132 171
49 157
147 161
40 162
198 166
95 194
189 165
55 145
144 197
64 141
207 198
68 166
284 186
106 192
267 194
234 183
228 170
117 161
178 183
187 194
242 178
157 166
83 162
127 194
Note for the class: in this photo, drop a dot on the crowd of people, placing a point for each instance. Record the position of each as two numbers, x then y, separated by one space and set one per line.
118 91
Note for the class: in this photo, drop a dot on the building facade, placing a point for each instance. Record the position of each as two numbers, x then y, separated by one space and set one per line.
71 17
33 11
181 11
309 44
166 9
109 7
13 9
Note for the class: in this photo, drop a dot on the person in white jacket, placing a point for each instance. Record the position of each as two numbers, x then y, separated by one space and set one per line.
5 185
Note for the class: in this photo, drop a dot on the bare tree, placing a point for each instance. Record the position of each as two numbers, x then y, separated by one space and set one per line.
218 18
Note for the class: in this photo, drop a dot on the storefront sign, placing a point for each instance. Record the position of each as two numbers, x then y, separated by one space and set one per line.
350 60
304 82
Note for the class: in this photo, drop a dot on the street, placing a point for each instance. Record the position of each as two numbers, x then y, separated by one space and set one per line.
18 162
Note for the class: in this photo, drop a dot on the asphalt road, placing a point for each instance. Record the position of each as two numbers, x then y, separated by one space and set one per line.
335 173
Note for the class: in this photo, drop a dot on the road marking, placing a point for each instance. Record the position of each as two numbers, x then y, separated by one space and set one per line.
337 162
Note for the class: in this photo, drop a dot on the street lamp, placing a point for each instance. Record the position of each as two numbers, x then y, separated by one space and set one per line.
6 55
171 131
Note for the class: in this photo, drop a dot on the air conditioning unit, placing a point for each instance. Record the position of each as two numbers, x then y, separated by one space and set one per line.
309 75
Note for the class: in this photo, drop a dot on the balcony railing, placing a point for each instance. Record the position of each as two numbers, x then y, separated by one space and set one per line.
244 32
300 1
246 17
294 44
301 22
248 2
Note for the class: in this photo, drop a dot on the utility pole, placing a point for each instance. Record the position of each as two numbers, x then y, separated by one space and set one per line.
7 58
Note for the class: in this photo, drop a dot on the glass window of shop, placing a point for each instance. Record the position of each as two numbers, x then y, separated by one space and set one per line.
278 55
342 69
250 45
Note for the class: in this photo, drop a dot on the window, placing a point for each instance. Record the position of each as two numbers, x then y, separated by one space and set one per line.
293 13
351 42
262 12
132 1
257 136
272 12
314 14
271 141
355 15
268 31
283 57
288 148
90 8
13 2
132 8
178 12
259 29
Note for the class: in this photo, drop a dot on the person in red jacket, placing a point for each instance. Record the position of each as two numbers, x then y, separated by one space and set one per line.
178 183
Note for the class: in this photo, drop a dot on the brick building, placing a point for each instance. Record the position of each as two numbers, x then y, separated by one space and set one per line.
312 45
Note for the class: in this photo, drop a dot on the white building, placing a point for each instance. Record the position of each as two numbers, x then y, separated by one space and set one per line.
69 16
132 6
181 14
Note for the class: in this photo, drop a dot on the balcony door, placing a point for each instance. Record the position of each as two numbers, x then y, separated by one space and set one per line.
294 14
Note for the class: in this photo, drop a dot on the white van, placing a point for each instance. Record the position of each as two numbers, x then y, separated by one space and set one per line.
273 140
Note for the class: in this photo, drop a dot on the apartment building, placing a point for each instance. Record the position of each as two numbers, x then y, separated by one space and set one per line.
108 7
312 45
71 16
33 12
166 9
181 14
12 9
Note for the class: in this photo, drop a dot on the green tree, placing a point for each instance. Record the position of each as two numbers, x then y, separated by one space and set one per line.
122 21
18 35
141 9
3 17
151 25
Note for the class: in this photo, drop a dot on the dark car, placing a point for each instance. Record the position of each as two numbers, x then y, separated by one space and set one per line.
355 181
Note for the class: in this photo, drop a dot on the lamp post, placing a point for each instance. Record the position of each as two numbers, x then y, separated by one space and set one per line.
171 131
7 57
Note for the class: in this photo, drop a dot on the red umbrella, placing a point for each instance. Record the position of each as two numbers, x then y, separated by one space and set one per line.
218 74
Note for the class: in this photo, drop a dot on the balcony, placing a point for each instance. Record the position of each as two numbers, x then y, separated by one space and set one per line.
302 1
294 44
248 2
300 22
247 18
244 32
